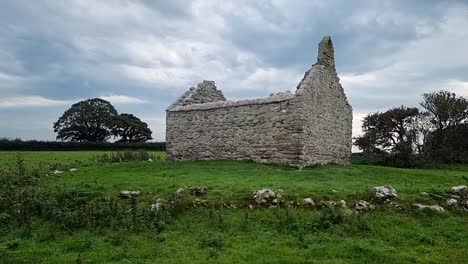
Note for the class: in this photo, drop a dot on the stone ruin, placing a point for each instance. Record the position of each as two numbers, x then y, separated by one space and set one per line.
311 126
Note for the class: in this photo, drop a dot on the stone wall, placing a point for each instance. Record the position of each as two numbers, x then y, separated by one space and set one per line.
309 127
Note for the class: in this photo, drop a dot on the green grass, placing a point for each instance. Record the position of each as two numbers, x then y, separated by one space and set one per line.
236 180
67 158
279 235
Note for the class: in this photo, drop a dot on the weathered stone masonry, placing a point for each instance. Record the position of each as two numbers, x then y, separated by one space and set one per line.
312 126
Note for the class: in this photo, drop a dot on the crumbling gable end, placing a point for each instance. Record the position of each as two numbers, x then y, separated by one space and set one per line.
205 92
311 126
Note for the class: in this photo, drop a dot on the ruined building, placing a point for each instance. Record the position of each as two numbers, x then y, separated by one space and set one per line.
311 126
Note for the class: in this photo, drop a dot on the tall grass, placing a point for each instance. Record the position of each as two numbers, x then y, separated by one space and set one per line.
129 155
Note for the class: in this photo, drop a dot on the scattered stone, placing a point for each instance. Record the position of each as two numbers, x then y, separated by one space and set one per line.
437 208
150 160
452 202
384 192
230 205
199 190
308 202
364 206
342 203
198 201
437 196
327 203
424 194
250 206
73 169
455 196
128 194
180 191
264 196
334 191
458 189
419 206
56 171
156 207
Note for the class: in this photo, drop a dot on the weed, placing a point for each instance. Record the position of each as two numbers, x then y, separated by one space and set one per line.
12 245
425 239
329 216
214 241
123 156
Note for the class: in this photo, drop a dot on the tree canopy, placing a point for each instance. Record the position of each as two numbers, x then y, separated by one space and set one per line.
389 131
130 128
404 134
96 120
446 108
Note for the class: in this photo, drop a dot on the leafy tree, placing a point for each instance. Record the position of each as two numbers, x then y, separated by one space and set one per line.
446 108
87 120
447 112
130 129
390 133
384 131
423 127
454 147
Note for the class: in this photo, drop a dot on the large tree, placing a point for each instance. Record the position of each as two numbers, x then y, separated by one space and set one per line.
448 114
87 120
446 108
389 131
129 128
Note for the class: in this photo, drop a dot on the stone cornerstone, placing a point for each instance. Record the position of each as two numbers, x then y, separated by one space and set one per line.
311 126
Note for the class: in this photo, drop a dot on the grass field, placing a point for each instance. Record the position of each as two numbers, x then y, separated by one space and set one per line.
230 235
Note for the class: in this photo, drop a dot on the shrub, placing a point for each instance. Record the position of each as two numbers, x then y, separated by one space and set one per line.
329 217
214 241
123 156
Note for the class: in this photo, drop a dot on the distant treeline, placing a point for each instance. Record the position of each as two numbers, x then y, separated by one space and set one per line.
35 145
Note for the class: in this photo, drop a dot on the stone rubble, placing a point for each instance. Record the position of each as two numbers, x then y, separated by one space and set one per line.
364 206
264 196
308 202
384 192
199 190
342 203
452 202
437 208
128 194
179 191
156 207
458 189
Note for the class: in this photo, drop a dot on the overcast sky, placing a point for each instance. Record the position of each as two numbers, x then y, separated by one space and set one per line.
142 55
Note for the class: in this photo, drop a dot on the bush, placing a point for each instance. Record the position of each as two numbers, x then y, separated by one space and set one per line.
34 145
123 156
214 241
329 217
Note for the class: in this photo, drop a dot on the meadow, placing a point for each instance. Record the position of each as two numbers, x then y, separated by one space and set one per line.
222 228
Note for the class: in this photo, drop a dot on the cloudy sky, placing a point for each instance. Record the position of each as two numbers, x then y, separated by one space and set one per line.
141 55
